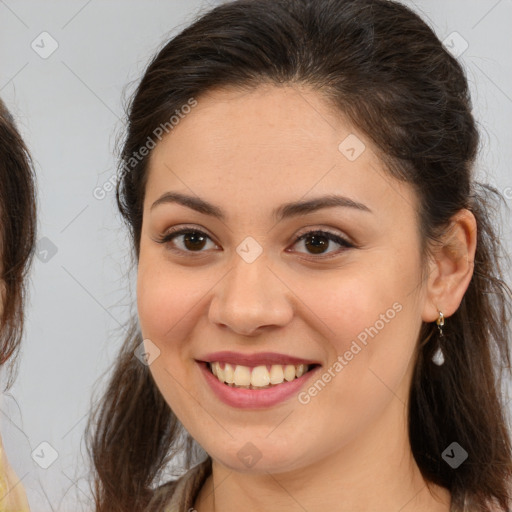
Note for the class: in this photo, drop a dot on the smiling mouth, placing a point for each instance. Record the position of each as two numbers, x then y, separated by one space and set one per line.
257 377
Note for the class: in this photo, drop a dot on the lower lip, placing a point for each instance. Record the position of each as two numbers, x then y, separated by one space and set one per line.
254 398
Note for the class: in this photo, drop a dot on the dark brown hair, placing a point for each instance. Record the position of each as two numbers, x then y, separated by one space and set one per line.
382 67
17 234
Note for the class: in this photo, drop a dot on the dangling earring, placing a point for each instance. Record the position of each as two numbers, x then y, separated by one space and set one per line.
438 357
440 324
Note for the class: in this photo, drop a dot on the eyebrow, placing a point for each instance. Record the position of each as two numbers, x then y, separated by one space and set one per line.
284 211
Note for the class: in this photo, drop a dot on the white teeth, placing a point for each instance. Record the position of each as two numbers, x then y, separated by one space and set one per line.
229 374
258 376
276 374
219 372
289 372
242 376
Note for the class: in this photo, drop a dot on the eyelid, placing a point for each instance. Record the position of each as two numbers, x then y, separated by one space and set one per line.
313 229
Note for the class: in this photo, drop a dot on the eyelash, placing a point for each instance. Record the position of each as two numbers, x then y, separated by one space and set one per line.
175 232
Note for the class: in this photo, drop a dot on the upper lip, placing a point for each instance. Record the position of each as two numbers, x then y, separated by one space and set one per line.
261 358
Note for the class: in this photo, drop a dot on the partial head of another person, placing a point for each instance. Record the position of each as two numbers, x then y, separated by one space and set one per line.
17 233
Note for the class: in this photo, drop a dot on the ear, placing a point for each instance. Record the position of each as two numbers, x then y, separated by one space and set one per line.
451 267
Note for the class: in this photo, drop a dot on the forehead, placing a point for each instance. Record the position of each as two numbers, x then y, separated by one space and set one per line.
260 120
268 145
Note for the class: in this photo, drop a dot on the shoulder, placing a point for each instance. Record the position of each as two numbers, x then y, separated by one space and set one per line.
179 495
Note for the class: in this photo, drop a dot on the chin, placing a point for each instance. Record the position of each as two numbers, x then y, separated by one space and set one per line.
250 459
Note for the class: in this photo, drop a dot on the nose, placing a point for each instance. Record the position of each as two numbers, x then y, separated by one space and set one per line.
250 298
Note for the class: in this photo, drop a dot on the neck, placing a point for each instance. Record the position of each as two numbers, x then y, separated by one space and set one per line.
375 471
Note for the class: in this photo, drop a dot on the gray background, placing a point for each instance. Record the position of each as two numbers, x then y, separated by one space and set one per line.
69 108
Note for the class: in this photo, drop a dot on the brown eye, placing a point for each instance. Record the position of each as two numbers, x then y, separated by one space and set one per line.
192 240
318 241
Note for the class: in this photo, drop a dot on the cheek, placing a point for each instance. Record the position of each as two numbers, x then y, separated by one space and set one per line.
166 304
165 298
374 321
371 311
356 300
373 324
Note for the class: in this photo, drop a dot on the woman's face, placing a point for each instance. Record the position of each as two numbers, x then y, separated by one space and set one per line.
352 306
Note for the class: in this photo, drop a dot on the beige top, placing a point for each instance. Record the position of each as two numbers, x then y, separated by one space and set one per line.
12 493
